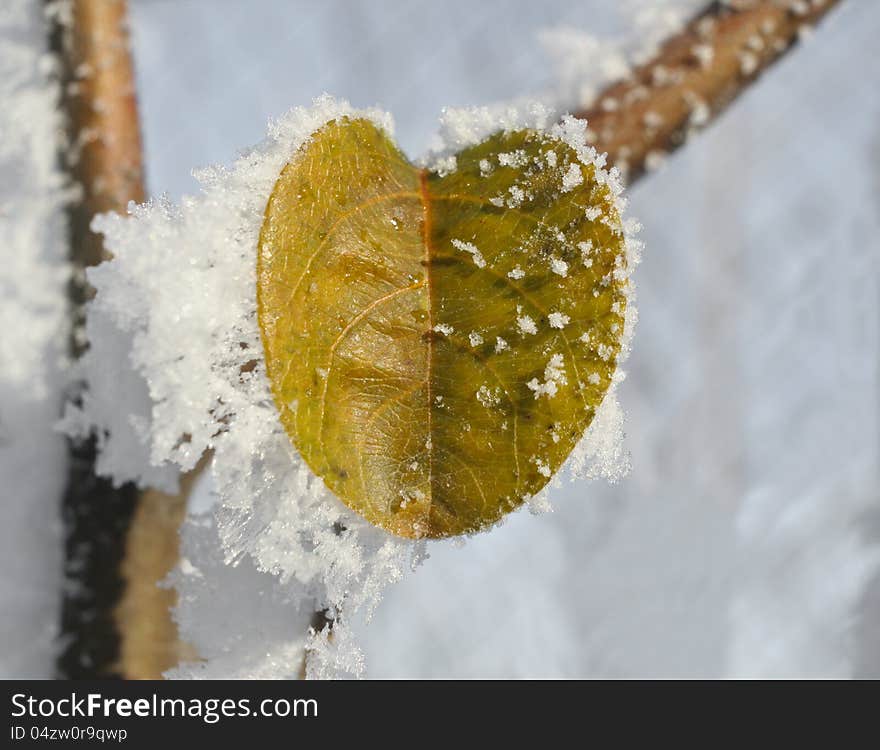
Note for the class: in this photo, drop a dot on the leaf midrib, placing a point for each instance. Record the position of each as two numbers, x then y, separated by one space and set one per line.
427 226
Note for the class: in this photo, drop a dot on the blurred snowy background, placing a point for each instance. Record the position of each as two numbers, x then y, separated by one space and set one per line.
745 541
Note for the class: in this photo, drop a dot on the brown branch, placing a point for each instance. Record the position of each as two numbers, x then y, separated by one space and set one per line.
119 542
149 642
104 152
695 75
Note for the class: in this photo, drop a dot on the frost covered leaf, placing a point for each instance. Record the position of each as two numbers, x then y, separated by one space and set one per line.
438 341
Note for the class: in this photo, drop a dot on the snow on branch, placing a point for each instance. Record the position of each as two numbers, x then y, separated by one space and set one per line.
693 77
178 301
178 304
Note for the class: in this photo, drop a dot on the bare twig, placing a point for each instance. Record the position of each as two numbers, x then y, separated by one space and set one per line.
695 75
149 642
118 541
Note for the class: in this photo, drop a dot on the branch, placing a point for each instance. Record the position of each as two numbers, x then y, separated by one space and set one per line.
118 541
694 77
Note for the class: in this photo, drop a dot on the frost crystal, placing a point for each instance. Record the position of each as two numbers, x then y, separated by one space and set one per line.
468 247
488 397
572 178
179 297
559 266
600 452
517 196
543 468
525 324
514 159
554 376
445 165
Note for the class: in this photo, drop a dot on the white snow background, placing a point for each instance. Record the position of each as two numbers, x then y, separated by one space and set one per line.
33 282
744 542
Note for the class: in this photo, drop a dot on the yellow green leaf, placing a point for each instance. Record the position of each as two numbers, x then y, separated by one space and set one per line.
438 344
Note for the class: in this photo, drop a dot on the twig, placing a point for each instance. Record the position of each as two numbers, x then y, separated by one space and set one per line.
110 571
114 619
149 642
695 75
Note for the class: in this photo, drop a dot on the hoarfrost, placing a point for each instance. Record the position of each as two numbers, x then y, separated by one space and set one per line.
515 159
572 178
467 126
488 397
526 325
517 196
554 376
601 452
586 63
258 633
469 247
543 467
559 266
179 300
179 297
446 165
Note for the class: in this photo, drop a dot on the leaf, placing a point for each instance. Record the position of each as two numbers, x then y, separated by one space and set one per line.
437 345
